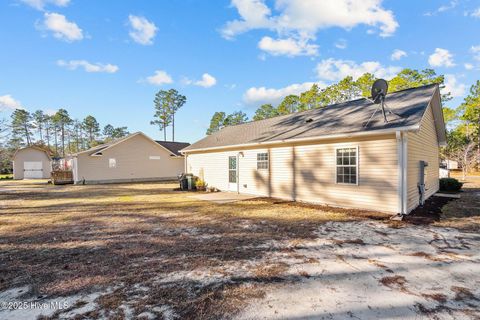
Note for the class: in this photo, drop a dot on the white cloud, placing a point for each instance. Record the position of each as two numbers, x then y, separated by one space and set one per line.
159 78
306 17
334 70
8 102
443 8
469 66
255 15
452 4
40 4
476 52
207 81
62 28
288 47
453 86
441 58
398 54
50 112
87 66
475 13
230 86
142 31
341 44
261 95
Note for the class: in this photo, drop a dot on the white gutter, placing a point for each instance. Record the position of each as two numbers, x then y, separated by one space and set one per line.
317 138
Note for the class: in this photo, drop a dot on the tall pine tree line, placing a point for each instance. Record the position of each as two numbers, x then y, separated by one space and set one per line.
57 132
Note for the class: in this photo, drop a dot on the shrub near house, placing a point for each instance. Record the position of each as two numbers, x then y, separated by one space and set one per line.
450 184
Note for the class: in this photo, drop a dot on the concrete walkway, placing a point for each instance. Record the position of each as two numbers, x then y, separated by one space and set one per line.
222 197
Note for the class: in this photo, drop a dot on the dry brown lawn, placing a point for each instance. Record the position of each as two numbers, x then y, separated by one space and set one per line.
151 252
464 213
145 245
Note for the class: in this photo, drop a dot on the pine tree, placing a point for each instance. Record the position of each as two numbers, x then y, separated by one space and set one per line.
163 113
265 111
92 128
176 102
39 118
216 123
21 128
62 119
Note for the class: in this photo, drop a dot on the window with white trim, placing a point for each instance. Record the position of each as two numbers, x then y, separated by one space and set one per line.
112 163
262 161
347 165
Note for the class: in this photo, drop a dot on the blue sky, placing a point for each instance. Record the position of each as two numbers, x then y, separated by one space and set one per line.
108 58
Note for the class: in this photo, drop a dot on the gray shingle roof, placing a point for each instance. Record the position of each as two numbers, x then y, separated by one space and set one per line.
342 118
174 147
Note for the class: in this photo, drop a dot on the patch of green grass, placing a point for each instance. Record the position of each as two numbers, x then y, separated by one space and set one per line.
6 176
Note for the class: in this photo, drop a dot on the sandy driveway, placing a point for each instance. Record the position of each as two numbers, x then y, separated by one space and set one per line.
366 270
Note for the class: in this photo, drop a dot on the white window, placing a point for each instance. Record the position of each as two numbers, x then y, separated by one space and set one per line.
232 169
262 161
112 163
347 165
154 158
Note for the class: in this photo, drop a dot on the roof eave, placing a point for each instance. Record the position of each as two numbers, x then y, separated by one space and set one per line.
316 138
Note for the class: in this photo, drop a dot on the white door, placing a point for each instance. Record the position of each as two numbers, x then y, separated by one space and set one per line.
32 170
232 173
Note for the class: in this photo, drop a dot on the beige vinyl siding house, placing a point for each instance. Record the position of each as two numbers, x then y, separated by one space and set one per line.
345 164
423 145
134 158
32 163
307 172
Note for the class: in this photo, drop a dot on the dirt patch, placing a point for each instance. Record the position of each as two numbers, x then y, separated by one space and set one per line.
395 282
348 241
431 311
431 211
388 277
439 297
162 254
380 265
270 271
462 293
64 240
426 256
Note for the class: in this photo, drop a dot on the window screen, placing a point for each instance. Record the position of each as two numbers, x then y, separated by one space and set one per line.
262 161
232 169
347 170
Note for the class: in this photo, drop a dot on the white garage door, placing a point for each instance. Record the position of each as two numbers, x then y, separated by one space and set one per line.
32 170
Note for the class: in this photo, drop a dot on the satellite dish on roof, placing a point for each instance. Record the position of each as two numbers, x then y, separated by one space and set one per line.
379 92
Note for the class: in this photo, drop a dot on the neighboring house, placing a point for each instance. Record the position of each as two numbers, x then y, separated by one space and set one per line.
32 163
133 158
444 173
329 156
449 164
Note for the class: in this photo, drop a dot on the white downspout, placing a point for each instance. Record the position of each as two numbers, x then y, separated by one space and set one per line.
238 171
399 139
75 170
405 171
185 163
402 161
